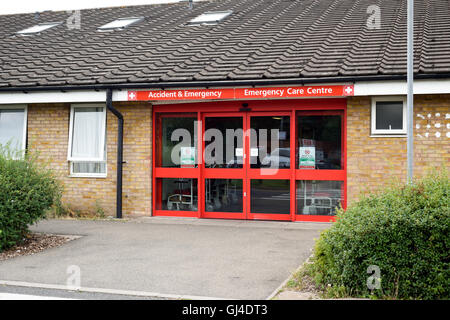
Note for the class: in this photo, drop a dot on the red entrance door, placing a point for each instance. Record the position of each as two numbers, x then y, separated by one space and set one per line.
224 166
246 172
286 165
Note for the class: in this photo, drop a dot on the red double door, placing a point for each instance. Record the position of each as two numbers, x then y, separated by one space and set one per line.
251 177
262 165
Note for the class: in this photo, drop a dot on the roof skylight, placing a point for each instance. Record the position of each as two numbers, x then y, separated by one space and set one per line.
121 23
211 17
39 28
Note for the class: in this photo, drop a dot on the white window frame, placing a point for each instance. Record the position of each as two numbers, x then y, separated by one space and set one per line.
201 19
394 132
88 175
23 107
110 25
38 28
103 154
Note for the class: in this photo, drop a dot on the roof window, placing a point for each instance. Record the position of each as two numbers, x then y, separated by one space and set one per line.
121 23
211 17
39 28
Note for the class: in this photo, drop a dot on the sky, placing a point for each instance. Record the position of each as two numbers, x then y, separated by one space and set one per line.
27 6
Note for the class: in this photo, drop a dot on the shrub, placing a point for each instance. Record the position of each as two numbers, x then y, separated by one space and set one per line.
27 190
403 230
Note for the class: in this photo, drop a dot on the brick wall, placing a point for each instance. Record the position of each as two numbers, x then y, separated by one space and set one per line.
48 134
374 162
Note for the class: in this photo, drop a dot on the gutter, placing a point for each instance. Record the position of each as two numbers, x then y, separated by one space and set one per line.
119 185
224 83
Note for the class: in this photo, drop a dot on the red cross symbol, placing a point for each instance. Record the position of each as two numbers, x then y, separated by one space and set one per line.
348 90
132 95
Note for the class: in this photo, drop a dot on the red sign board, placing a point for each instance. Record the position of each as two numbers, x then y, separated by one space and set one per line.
242 93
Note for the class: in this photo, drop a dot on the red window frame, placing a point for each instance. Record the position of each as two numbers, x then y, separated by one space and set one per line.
292 108
324 175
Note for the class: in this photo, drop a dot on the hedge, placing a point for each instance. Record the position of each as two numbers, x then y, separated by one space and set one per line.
403 231
27 191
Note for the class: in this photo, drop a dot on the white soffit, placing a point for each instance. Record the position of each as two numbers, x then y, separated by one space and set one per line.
52 97
386 88
379 88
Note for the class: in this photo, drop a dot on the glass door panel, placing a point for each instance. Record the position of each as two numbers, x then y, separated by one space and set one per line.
268 176
320 172
270 142
176 143
321 198
177 194
223 166
224 142
224 195
319 142
270 196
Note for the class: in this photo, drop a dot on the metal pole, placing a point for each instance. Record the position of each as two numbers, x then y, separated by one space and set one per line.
410 100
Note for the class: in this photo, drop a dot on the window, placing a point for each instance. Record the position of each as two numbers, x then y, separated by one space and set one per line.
269 155
121 23
39 28
13 127
319 141
177 194
270 196
87 141
389 116
319 197
211 17
176 142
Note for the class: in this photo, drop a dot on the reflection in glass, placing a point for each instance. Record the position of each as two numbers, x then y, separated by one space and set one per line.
11 128
177 194
319 197
389 115
319 142
270 196
174 130
223 195
224 142
270 142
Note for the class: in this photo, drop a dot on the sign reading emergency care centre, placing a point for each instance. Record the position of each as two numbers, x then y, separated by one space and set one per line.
243 93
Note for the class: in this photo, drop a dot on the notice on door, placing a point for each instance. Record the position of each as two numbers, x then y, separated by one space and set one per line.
187 156
307 157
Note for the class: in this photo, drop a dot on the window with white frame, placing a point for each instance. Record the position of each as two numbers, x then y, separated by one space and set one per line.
38 28
87 141
211 17
389 116
120 23
13 127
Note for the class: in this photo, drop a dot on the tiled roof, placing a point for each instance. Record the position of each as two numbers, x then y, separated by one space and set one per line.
262 39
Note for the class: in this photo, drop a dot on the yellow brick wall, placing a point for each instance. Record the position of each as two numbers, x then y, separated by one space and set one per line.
48 134
374 162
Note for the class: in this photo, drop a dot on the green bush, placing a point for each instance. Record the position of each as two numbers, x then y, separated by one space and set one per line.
403 230
27 190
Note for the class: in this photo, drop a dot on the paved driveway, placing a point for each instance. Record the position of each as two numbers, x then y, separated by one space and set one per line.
211 258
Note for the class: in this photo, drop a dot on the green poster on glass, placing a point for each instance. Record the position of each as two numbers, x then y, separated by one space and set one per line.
187 157
307 157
